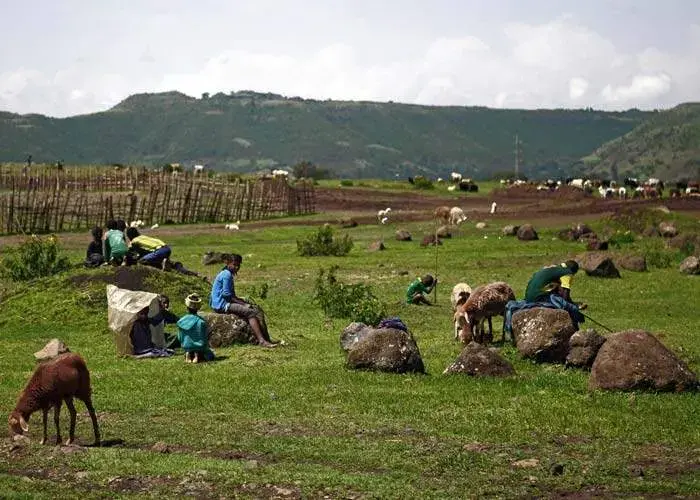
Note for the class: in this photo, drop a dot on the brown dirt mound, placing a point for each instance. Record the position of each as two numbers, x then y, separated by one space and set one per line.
130 278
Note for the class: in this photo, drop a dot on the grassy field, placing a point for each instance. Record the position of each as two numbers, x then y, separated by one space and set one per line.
294 422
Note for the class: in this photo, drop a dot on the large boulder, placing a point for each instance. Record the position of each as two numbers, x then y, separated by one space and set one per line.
690 265
430 239
347 222
637 263
636 360
543 334
53 348
667 229
402 235
386 350
595 244
477 360
598 264
352 334
227 329
527 233
583 348
211 257
689 242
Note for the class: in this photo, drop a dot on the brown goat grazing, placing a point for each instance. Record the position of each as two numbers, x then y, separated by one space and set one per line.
60 379
483 303
443 214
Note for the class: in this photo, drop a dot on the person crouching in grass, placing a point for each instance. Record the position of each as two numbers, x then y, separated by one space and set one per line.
192 332
150 251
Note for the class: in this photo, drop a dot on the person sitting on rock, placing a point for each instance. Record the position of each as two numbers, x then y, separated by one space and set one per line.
552 279
114 244
141 339
148 250
192 332
163 318
93 256
223 300
419 288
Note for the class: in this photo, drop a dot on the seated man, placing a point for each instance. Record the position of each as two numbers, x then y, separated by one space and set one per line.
141 339
551 279
114 244
94 257
223 300
149 251
419 288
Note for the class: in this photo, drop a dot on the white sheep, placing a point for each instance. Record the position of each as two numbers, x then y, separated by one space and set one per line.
155 226
53 382
455 177
383 214
234 226
460 294
457 216
484 302
493 207
137 224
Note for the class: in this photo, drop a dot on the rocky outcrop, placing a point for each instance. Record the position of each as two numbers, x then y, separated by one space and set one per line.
543 334
385 350
583 348
598 264
527 233
227 329
636 360
477 360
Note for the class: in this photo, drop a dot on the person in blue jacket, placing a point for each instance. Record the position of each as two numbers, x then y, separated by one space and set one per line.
223 300
192 332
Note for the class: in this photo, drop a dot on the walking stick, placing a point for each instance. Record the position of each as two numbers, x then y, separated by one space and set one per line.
437 242
596 322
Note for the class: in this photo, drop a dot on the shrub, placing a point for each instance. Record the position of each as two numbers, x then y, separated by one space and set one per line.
422 183
34 258
339 300
618 239
346 183
323 243
659 258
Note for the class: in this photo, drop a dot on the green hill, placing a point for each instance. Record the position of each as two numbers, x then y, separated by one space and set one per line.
247 131
666 146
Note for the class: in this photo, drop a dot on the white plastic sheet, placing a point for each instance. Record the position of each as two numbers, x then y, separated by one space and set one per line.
122 307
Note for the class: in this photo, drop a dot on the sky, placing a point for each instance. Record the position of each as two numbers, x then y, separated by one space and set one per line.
69 57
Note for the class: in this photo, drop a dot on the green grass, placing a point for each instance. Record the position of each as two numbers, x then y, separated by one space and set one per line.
296 420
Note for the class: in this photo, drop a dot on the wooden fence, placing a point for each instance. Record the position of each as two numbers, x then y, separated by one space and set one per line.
65 201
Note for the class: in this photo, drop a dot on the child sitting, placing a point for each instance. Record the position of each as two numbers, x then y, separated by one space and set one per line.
94 257
419 288
192 332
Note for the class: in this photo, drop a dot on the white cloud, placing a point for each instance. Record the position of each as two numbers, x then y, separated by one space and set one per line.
554 64
577 88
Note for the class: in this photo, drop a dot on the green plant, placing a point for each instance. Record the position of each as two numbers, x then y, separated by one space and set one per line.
422 183
34 258
322 243
619 238
659 258
260 293
346 183
339 300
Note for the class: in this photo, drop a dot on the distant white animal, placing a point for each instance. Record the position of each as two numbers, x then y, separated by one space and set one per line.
455 177
384 220
155 226
137 223
278 172
451 188
198 168
382 214
493 207
234 226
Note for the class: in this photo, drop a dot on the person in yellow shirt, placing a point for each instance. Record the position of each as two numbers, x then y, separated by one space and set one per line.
149 251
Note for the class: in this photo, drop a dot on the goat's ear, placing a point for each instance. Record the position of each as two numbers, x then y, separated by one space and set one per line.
23 424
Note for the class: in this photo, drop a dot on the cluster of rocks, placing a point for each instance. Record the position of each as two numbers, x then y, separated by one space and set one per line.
526 232
583 233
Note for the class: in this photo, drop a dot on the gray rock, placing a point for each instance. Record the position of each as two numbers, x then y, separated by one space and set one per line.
583 348
635 360
510 230
386 350
402 235
430 239
636 263
347 222
376 246
444 232
667 229
227 329
690 265
210 258
352 334
52 349
598 264
527 233
477 360
595 244
543 334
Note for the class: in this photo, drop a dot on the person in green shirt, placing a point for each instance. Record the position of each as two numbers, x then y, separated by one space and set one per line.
114 244
419 288
549 280
192 332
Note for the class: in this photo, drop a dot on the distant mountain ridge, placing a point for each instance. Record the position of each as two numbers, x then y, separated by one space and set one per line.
666 146
249 131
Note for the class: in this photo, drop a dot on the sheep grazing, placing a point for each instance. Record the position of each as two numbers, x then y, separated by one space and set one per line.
53 382
442 213
460 294
234 226
484 302
137 224
383 215
457 216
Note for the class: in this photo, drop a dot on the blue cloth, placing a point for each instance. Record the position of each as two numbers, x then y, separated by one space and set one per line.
192 333
156 257
553 301
222 290
393 322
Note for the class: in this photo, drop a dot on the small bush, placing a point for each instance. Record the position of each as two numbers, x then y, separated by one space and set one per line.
636 220
323 243
618 239
659 258
34 258
346 183
422 183
339 300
